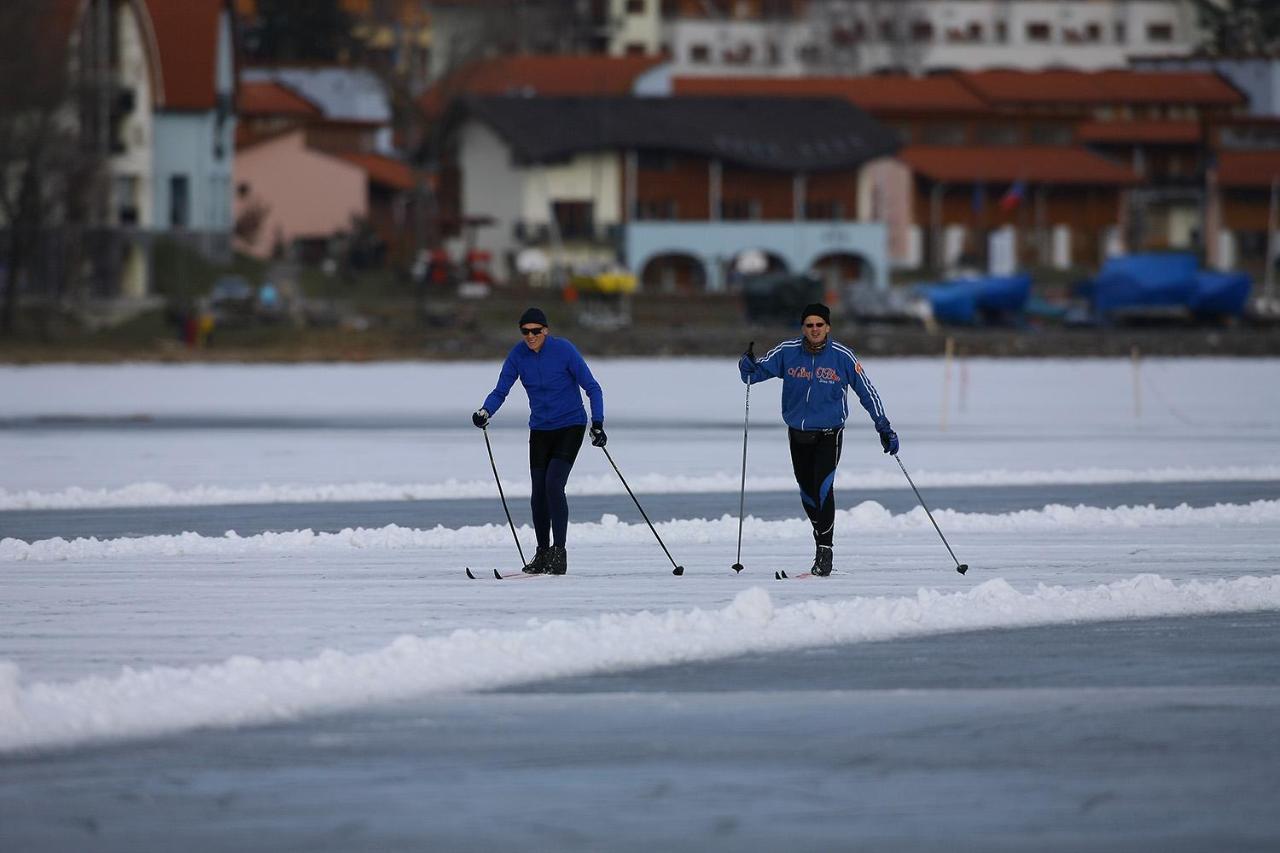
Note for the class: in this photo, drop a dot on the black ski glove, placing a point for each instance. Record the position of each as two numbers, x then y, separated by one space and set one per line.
598 438
889 440
747 364
480 417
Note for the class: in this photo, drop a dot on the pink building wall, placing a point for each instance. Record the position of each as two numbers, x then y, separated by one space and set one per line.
307 193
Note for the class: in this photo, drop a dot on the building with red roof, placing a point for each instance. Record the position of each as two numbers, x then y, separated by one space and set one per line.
538 76
166 131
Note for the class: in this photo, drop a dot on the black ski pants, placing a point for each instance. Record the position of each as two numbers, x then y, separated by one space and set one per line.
552 453
814 457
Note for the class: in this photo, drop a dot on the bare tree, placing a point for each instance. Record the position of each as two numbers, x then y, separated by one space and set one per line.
1240 27
48 168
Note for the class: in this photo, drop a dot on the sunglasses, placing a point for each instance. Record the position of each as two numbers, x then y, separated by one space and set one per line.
533 332
814 325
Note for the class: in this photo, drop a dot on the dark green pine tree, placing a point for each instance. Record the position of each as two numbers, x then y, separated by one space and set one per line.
1241 27
300 31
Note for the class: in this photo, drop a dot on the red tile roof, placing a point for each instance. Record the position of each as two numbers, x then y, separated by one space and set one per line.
540 75
874 94
186 39
270 98
1248 168
1168 132
382 170
1093 88
1034 164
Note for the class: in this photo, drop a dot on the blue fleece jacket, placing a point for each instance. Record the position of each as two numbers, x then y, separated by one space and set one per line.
815 385
551 377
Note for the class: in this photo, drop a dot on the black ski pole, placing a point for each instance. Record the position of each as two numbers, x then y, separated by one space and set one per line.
510 523
960 567
742 491
678 570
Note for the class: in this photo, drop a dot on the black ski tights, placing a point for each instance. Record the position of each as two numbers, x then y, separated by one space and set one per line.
551 456
550 506
814 456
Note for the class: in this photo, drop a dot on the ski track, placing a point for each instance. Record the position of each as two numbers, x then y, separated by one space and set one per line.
246 690
868 517
159 494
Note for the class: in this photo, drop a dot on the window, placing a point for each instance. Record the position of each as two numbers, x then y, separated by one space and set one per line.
808 53
921 31
1039 31
1121 35
998 134
1002 32
179 201
823 210
635 48
575 219
124 188
700 54
1093 32
635 7
656 208
942 134
739 209
1160 32
1050 134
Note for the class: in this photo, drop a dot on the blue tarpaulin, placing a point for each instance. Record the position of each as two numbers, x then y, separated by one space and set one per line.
964 301
1221 293
1167 279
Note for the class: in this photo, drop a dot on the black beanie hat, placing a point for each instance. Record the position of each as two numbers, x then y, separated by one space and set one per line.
816 309
534 315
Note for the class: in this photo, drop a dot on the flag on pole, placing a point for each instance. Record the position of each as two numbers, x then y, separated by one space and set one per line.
1013 196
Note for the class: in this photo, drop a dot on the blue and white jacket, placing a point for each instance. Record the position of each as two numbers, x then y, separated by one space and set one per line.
551 377
815 385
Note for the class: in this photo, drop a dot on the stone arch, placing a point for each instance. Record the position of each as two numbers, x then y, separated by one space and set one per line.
673 271
839 268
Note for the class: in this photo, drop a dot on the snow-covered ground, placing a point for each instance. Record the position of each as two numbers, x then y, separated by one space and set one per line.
141 636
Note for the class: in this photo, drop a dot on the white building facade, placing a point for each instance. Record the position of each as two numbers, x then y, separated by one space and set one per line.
918 36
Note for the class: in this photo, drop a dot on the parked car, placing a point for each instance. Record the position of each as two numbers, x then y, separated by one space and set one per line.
232 298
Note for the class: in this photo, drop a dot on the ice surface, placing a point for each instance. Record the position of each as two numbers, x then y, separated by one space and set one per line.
130 636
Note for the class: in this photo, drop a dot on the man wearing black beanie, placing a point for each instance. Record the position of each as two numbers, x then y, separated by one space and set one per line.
551 370
816 374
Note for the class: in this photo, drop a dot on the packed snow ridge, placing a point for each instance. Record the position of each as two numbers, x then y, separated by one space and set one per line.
160 494
245 690
867 517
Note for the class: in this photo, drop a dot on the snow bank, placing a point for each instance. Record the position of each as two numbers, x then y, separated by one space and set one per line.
160 494
867 517
245 690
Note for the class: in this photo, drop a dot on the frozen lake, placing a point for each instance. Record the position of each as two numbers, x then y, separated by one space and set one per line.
1116 629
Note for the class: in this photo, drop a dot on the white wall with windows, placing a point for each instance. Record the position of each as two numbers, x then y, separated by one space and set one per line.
864 36
194 155
635 27
131 131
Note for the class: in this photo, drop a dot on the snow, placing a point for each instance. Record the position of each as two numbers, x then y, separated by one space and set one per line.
867 518
162 494
249 690
137 636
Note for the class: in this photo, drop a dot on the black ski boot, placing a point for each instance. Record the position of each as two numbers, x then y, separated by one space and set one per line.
822 561
557 561
538 565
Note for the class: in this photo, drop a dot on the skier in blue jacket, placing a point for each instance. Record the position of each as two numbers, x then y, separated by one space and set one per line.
551 371
816 374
